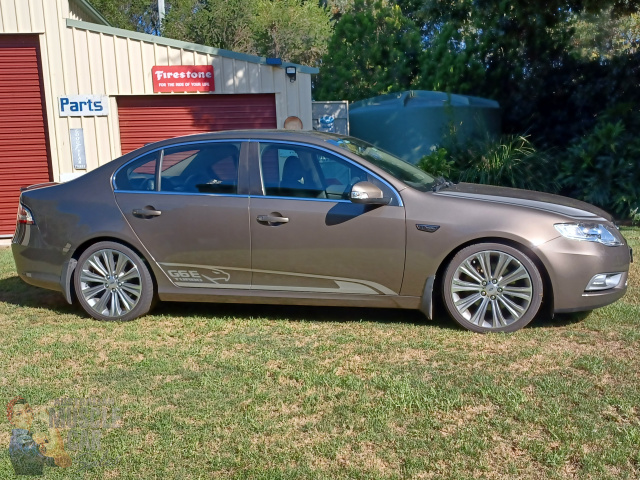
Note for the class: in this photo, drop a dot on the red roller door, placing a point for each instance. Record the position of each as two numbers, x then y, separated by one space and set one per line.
147 119
24 158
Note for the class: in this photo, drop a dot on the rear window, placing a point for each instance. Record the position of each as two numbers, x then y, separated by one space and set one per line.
139 174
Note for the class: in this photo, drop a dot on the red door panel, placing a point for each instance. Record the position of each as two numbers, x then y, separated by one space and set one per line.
147 119
24 158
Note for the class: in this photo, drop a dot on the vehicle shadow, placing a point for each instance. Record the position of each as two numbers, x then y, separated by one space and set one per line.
295 313
559 320
341 314
14 291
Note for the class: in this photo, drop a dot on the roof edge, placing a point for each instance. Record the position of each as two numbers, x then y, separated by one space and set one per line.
97 14
145 37
434 97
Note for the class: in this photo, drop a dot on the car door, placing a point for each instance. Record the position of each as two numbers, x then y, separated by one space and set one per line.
185 204
306 236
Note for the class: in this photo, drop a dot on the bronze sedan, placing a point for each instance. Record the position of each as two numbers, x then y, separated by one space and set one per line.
311 219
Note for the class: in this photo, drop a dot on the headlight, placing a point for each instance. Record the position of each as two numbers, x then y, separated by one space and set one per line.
591 232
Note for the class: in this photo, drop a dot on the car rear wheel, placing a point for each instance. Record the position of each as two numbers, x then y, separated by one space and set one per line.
490 287
112 282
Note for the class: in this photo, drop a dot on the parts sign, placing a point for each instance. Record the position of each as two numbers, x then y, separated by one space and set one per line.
83 105
185 78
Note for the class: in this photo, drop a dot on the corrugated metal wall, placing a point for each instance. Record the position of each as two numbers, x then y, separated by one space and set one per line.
143 119
24 158
122 66
78 11
36 16
87 59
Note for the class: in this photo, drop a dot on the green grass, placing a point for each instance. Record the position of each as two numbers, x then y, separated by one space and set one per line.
218 391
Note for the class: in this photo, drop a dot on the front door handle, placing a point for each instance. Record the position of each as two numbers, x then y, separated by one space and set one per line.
272 219
146 212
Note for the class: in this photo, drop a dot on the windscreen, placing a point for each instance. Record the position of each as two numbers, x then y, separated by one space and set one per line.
400 169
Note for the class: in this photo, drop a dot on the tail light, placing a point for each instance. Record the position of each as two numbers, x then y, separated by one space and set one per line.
24 215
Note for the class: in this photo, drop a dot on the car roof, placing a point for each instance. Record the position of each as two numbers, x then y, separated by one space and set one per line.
291 135
307 136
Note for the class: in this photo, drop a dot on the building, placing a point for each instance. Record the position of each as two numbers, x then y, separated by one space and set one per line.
76 93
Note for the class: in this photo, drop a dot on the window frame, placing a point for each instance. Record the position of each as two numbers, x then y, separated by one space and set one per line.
157 157
243 180
257 184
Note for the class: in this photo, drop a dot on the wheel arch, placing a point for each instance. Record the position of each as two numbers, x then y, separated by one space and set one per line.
547 286
68 287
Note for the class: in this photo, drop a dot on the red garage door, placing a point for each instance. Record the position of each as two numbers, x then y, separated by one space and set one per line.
24 158
149 119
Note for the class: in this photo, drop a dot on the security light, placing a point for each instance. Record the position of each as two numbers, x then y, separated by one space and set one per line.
291 73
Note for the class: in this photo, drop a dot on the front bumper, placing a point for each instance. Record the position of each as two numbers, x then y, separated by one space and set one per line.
571 264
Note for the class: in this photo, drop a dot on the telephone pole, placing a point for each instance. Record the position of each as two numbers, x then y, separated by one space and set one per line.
160 11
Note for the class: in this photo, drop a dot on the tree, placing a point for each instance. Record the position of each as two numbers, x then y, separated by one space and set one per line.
521 54
491 48
293 30
224 24
374 49
137 15
337 7
604 35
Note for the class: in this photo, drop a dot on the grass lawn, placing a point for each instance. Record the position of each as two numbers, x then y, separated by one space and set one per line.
219 391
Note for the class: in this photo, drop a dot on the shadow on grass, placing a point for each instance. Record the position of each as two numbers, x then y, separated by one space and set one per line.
296 313
544 320
341 314
16 292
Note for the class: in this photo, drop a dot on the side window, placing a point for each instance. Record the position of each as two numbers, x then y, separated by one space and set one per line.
305 172
201 168
290 171
340 176
139 175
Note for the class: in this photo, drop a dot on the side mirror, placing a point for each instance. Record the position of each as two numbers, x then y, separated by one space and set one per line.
367 193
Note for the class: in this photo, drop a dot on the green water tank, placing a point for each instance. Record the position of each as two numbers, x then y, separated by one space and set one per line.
408 124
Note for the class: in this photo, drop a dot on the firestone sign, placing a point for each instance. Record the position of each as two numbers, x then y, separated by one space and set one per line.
185 78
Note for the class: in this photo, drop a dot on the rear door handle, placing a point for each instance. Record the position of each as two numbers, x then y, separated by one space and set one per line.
146 212
272 219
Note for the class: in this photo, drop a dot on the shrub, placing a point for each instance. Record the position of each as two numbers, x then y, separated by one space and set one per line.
508 161
437 163
602 168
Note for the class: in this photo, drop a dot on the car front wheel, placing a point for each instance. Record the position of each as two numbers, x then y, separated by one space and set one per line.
112 282
490 287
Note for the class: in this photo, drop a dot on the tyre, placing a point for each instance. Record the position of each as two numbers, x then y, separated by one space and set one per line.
490 287
111 282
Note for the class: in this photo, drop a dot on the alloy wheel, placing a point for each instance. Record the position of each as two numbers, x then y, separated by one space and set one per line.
110 283
491 289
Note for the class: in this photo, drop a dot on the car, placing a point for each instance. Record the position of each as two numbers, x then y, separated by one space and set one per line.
311 218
